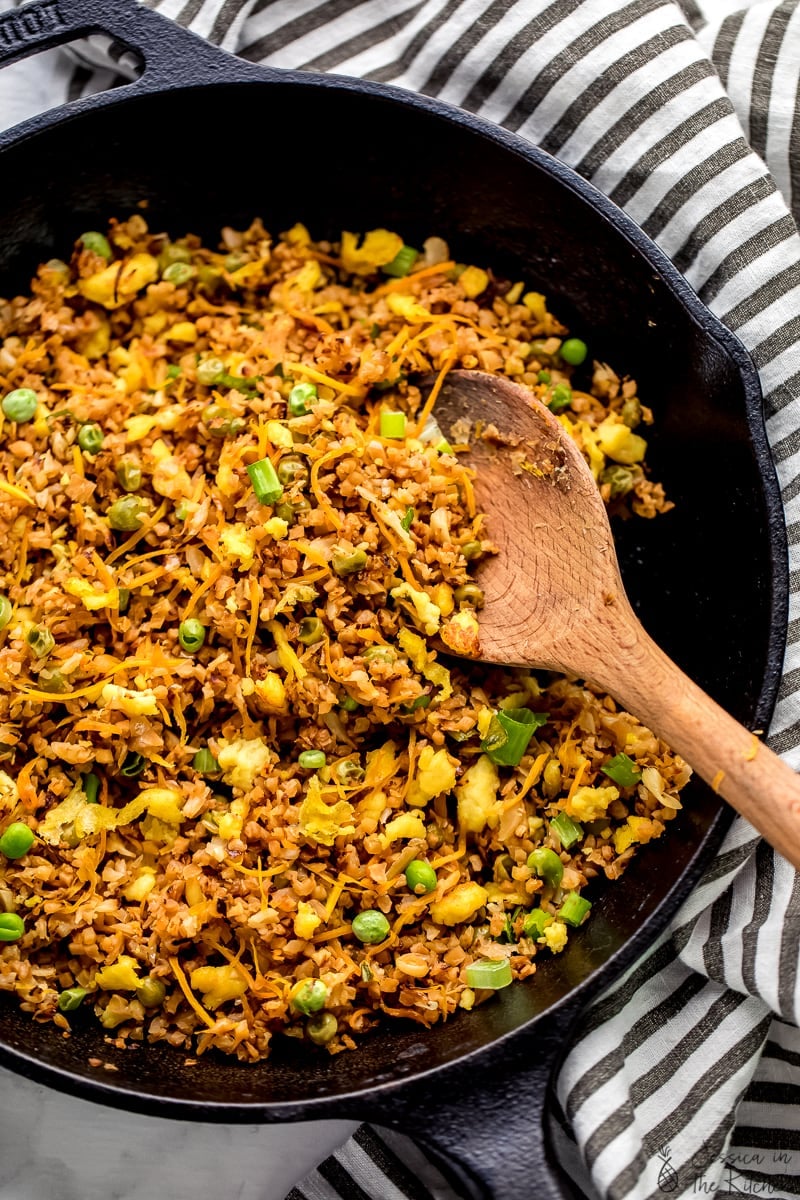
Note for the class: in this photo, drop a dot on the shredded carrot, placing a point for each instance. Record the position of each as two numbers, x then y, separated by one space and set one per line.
322 500
183 984
199 591
141 532
576 783
300 368
716 782
333 898
401 285
331 933
532 777
449 359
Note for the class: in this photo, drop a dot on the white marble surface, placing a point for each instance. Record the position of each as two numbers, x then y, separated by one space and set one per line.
54 1147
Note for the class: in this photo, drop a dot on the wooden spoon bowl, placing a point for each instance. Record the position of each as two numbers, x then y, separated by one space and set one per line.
555 598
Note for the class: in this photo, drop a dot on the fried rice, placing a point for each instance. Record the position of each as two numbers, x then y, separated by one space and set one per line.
241 793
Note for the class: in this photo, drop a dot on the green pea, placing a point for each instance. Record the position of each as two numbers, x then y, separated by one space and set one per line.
547 865
323 1028
12 927
129 475
222 422
620 480
421 877
311 631
70 999
151 992
41 641
20 405
349 564
348 704
293 471
17 840
205 763
311 760
178 273
543 377
98 243
128 514
574 351
309 996
210 371
383 654
471 550
191 635
632 412
90 438
6 609
471 594
371 926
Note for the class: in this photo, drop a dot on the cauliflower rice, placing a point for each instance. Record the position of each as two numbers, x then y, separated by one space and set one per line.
254 799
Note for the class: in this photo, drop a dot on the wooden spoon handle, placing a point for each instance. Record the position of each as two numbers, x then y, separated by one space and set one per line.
728 756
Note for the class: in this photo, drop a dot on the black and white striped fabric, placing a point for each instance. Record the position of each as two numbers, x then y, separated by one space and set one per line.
686 1077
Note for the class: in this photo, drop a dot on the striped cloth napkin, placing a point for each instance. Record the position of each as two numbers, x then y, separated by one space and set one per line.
686 1075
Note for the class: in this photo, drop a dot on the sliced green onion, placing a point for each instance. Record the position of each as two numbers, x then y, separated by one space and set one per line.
545 863
402 262
408 519
205 763
133 764
534 924
622 770
179 273
493 973
124 599
210 371
392 424
443 447
543 377
41 641
311 760
567 831
91 786
266 485
423 701
560 398
300 397
70 999
509 734
348 704
574 909
173 371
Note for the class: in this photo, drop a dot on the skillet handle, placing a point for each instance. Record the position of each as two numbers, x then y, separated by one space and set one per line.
486 1125
172 56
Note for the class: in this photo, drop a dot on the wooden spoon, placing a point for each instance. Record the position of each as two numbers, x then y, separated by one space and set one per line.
555 599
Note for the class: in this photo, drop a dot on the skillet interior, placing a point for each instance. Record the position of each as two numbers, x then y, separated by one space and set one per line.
221 155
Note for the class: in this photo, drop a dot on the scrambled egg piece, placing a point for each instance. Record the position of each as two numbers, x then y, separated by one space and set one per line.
422 660
424 610
141 885
243 761
218 984
271 692
321 822
589 803
239 542
474 281
477 796
406 825
231 823
170 479
436 773
306 920
377 249
408 308
277 528
89 598
460 633
460 904
280 435
120 976
380 764
555 935
118 282
134 704
635 829
618 442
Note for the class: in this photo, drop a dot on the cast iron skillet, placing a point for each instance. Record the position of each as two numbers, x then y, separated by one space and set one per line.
208 140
